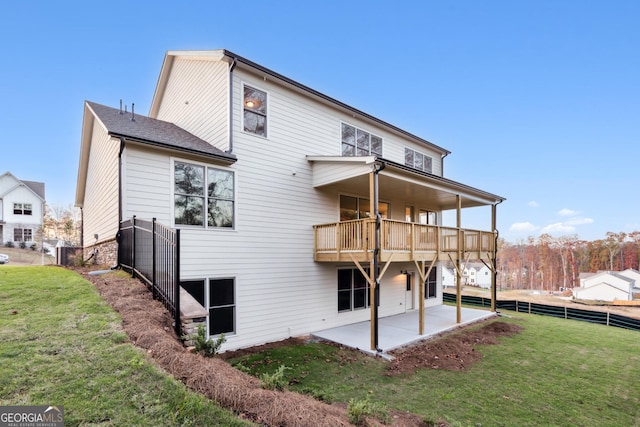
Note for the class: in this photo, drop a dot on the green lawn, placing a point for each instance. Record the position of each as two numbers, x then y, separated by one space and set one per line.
61 344
555 373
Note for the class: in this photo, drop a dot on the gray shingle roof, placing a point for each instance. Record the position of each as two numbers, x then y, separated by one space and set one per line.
154 132
37 187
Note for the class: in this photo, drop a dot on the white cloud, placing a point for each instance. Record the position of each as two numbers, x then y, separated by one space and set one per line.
533 204
579 221
566 212
558 228
522 227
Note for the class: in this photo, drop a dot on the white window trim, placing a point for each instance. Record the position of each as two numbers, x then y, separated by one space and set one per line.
267 120
362 129
406 147
205 226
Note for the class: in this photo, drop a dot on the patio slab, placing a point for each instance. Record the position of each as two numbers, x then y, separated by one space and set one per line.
401 329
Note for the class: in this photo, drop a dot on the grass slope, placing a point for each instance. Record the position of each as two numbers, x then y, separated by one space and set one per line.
554 373
63 345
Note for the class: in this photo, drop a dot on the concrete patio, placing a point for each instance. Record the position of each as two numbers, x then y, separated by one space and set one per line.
402 329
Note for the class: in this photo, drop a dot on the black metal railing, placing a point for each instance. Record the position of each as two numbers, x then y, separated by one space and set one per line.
151 252
564 312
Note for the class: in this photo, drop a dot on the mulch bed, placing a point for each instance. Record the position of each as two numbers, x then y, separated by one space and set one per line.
149 327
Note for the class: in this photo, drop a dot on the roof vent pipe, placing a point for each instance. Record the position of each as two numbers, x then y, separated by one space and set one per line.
133 118
121 106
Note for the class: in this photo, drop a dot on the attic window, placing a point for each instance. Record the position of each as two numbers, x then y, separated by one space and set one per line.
255 111
417 160
357 142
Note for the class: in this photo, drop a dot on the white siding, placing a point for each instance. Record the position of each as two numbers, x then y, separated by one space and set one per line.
602 292
280 290
100 213
147 185
196 99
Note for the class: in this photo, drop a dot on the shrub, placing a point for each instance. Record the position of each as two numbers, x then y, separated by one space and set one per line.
9 244
275 381
23 245
78 260
204 346
358 410
33 247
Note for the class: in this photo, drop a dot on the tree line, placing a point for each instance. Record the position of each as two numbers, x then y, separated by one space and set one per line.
551 263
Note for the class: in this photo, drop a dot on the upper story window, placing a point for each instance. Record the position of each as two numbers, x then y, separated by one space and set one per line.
255 111
22 209
357 142
200 189
417 160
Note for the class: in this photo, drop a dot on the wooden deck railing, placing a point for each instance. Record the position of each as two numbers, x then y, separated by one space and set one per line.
346 240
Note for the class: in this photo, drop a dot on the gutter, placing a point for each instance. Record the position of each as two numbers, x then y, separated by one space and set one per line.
230 158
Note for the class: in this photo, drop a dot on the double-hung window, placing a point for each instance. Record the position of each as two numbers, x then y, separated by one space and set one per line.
357 142
255 111
22 209
418 160
22 235
203 192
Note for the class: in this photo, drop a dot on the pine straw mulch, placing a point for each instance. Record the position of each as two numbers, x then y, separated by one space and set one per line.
149 327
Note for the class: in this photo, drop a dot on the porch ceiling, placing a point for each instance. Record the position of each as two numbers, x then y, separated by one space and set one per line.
395 180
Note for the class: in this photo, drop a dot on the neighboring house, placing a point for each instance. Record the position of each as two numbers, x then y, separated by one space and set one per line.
473 274
605 286
21 209
449 278
635 275
276 190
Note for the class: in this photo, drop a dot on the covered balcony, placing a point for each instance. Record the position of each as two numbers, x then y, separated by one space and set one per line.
400 240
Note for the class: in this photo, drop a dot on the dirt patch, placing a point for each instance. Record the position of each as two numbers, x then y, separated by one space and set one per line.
453 352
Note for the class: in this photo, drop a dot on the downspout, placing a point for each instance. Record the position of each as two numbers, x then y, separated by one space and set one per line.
377 167
442 164
233 66
122 142
118 234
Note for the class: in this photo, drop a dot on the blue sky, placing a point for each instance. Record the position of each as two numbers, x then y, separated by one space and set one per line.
538 101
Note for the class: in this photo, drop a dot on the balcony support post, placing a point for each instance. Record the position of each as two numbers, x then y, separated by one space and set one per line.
373 200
